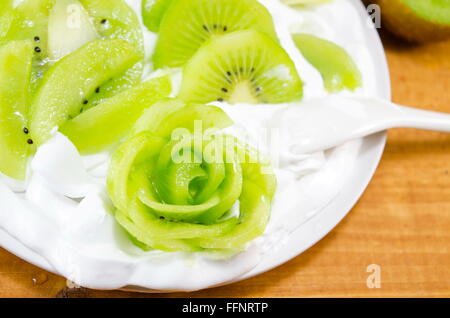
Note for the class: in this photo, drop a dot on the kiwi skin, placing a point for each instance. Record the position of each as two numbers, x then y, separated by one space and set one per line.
402 21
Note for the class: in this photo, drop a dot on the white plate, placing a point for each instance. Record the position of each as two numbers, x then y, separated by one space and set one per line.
322 223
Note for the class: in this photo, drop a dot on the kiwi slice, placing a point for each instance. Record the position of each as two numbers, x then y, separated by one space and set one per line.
115 19
179 206
68 83
188 24
336 66
102 126
15 72
69 28
109 19
416 21
153 11
6 18
31 23
245 66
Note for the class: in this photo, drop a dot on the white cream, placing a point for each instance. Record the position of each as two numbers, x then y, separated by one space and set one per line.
64 215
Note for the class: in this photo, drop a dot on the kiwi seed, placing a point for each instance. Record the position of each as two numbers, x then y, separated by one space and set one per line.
37 39
25 130
30 141
85 102
37 49
104 21
97 90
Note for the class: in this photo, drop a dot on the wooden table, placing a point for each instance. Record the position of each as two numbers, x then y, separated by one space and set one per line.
402 223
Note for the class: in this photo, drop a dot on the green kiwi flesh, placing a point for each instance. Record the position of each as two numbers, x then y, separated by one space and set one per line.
68 84
6 18
15 72
104 125
336 66
69 28
188 24
153 11
245 66
110 18
114 19
30 24
437 11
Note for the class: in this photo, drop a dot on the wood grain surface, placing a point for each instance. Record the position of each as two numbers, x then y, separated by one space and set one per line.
401 223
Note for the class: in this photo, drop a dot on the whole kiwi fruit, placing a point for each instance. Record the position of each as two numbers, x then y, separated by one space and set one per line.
416 20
